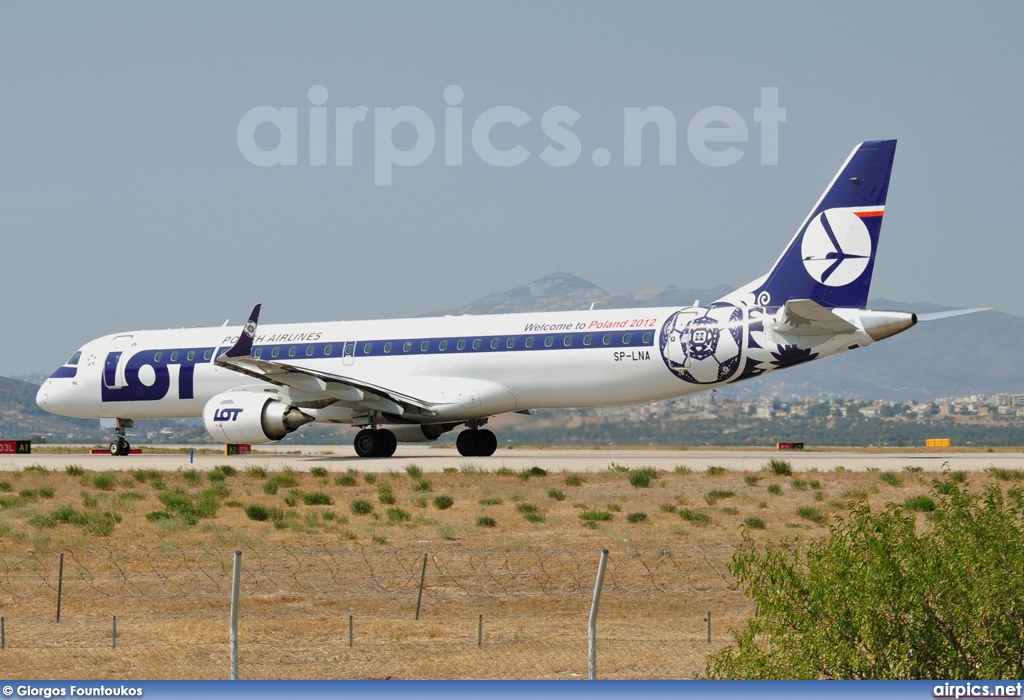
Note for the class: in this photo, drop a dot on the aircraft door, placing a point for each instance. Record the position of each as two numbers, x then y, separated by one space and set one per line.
113 366
348 356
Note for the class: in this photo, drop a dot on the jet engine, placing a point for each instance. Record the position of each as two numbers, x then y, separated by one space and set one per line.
250 417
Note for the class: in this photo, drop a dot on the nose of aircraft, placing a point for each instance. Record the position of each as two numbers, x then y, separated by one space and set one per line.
41 395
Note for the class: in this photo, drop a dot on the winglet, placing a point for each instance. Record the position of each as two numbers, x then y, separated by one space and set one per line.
243 346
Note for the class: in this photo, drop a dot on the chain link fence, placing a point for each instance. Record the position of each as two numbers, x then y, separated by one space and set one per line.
351 613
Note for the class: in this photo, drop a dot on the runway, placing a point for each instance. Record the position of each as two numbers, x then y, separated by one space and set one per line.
337 458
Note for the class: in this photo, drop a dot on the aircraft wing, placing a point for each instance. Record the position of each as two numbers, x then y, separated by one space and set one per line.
803 317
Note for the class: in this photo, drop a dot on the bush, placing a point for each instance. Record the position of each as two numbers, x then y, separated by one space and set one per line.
695 517
714 497
490 501
639 479
421 485
385 495
361 507
780 467
667 508
444 502
754 523
920 504
215 476
104 482
573 480
270 488
811 513
535 517
485 521
397 515
74 470
192 476
596 515
636 518
527 508
775 489
225 469
317 498
6 486
260 513
256 472
750 479
716 471
345 480
891 478
556 494
414 471
47 491
884 597
318 472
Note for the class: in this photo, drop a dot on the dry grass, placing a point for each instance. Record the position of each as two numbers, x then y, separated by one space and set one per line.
184 635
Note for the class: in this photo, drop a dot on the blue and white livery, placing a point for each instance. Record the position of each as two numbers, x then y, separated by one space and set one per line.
414 379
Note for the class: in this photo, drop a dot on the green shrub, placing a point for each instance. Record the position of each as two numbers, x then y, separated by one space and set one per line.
318 472
345 479
397 515
158 515
573 480
1005 474
215 476
444 502
682 469
775 489
891 478
37 468
636 518
490 501
6 486
192 476
420 501
754 523
215 491
535 517
370 478
361 507
47 491
667 508
695 517
811 513
716 471
780 467
556 494
639 479
920 504
286 479
385 495
317 498
258 512
421 485
729 510
74 470
104 482
29 495
225 469
414 471
485 521
526 508
715 496
750 479
270 488
256 472
799 484
596 515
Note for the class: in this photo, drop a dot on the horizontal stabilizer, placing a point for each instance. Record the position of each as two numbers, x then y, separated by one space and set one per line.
803 317
948 314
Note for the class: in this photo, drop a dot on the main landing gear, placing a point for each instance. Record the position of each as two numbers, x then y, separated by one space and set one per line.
371 442
476 443
120 446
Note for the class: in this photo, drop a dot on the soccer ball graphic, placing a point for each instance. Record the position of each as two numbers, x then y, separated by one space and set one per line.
702 346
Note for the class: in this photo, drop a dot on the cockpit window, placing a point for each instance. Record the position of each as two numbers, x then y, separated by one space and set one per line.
74 359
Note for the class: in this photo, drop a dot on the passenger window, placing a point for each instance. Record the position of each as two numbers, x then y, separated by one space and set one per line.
367 348
476 344
275 352
156 357
74 359
387 348
607 339
626 337
529 342
510 343
647 338
424 346
191 355
207 355
549 341
407 347
257 353
328 349
461 345
587 339
443 345
568 341
174 356
292 350
495 342
309 351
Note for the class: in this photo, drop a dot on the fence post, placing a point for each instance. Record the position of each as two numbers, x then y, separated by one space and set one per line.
423 576
60 584
3 635
115 633
236 584
593 614
480 633
350 635
709 627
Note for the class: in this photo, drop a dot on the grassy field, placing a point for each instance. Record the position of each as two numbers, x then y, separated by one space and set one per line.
397 517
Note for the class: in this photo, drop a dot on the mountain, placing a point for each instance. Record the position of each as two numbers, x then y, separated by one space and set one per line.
20 418
561 291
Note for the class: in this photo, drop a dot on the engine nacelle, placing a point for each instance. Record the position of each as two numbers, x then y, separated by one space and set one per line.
420 433
250 417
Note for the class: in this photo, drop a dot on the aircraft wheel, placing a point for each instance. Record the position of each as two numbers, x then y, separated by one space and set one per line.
468 443
115 449
488 443
388 443
126 448
367 443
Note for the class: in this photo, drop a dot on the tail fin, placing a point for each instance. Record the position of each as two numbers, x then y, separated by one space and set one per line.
832 255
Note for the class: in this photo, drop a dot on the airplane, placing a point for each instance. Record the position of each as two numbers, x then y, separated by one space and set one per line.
414 379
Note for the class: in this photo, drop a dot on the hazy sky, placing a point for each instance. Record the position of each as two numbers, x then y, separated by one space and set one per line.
127 201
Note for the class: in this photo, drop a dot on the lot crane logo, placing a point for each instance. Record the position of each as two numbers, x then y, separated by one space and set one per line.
702 346
836 247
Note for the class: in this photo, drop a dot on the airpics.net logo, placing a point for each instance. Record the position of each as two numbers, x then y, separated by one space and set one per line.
714 135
